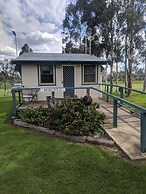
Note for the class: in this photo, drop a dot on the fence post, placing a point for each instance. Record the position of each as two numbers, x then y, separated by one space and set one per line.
88 91
53 96
14 103
121 94
143 132
115 113
19 95
107 90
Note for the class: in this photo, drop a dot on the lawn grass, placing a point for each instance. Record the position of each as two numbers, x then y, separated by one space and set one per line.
8 85
34 163
136 84
136 98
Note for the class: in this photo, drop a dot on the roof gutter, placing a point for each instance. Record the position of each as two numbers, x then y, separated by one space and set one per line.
32 62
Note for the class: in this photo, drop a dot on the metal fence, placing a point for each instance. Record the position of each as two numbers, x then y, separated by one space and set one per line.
116 99
121 89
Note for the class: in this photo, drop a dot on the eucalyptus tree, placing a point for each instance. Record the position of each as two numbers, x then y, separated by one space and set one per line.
82 19
7 73
25 49
72 29
92 23
143 50
110 28
132 26
143 55
111 36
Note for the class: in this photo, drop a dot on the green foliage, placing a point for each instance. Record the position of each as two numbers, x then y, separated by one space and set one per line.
82 17
74 118
26 49
114 29
70 116
7 73
35 116
108 22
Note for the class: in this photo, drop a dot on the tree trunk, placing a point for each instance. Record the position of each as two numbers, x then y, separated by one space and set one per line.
130 61
126 61
130 52
111 65
129 77
105 74
5 88
144 83
117 75
111 77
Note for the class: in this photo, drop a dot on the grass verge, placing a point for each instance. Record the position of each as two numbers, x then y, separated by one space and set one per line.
33 163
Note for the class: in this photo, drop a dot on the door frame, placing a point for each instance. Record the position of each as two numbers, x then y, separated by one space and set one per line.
74 76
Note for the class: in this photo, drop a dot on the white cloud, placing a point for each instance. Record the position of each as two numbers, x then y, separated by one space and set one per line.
39 38
36 22
7 51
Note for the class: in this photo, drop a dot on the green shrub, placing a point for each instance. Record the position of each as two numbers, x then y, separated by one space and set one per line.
71 116
35 116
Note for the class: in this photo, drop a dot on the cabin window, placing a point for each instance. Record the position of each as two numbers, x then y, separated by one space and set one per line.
46 75
89 74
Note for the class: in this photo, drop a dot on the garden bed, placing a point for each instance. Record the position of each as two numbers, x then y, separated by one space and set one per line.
96 140
78 120
76 117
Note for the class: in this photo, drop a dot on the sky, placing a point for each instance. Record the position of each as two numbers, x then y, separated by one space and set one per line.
35 22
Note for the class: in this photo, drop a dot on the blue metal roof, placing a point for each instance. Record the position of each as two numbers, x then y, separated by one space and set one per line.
57 58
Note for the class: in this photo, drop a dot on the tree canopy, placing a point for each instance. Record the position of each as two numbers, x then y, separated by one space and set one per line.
7 73
109 28
25 49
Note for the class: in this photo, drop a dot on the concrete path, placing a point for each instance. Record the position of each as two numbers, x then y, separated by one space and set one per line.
127 134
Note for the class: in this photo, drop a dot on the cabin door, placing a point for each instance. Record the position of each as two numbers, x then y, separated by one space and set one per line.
68 80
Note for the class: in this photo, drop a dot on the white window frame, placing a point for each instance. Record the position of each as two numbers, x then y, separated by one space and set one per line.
95 75
54 76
